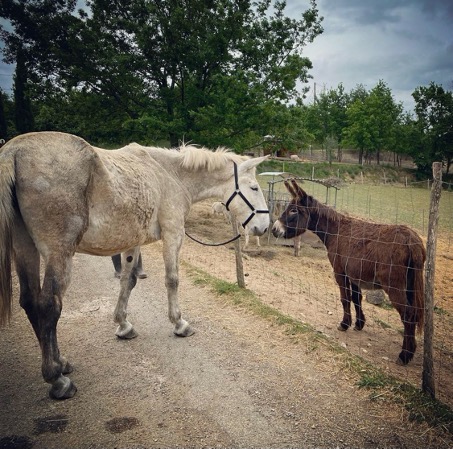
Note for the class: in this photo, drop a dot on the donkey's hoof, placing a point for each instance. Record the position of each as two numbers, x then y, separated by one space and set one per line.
63 388
359 325
183 329
126 332
404 358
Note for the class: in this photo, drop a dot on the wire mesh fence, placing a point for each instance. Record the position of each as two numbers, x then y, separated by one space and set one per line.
304 287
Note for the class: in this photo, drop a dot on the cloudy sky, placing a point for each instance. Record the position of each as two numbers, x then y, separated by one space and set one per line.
406 43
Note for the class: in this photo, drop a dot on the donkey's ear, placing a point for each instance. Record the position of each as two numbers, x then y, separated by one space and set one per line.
290 187
299 192
294 189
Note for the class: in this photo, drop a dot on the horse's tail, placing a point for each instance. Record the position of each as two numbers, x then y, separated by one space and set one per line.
7 182
415 284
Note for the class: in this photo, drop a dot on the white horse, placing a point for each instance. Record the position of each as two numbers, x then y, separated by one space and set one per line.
59 195
220 208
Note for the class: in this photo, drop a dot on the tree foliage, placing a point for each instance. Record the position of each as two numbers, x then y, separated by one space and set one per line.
166 63
434 110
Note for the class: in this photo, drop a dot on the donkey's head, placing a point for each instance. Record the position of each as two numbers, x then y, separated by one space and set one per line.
247 201
294 220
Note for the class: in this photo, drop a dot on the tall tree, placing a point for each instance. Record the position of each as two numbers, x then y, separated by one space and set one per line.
434 110
23 114
384 115
165 62
3 122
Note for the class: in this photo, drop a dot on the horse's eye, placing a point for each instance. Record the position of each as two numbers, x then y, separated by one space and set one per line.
255 189
293 211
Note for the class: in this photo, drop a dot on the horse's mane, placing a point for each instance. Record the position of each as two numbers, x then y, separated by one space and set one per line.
201 158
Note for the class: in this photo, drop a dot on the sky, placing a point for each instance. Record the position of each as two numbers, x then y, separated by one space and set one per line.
405 43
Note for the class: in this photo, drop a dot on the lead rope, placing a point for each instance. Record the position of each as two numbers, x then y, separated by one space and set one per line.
213 244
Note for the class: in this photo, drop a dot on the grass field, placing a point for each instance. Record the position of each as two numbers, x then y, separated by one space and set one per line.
387 203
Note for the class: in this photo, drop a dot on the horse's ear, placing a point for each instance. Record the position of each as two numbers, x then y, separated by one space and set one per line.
251 163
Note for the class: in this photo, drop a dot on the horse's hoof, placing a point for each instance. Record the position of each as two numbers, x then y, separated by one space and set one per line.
359 325
183 330
129 335
343 327
126 332
142 275
63 388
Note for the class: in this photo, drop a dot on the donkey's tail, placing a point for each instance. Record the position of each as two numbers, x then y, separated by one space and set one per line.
7 181
415 278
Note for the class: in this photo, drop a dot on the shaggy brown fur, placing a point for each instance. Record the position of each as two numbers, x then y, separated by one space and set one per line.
364 255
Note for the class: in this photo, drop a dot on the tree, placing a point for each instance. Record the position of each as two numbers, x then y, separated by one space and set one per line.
358 133
434 111
384 115
23 114
372 118
3 122
165 62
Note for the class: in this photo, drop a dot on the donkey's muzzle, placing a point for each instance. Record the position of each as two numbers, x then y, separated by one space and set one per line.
278 230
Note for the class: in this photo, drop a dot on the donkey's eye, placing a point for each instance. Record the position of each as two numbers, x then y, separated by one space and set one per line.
293 211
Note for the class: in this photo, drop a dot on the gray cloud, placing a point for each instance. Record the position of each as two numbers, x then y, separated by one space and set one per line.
406 43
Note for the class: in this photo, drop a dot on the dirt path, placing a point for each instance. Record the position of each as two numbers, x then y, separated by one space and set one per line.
232 384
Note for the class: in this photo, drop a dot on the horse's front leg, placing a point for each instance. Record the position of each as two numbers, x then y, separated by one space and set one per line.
128 280
171 248
345 297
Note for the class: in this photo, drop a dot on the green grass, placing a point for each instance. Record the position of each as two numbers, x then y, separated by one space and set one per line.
420 406
391 203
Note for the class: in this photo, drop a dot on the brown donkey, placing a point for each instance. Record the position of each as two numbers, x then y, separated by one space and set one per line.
363 255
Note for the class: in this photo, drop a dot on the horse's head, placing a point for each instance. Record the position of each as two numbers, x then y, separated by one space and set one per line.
294 220
247 201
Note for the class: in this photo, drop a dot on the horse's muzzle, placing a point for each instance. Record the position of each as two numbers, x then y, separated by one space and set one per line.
256 231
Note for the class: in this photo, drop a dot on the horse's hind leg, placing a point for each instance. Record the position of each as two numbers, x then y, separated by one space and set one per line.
127 283
56 280
356 294
27 262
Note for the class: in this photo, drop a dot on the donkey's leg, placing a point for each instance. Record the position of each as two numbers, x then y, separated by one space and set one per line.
127 283
141 273
345 297
171 248
27 262
400 302
356 294
48 310
116 260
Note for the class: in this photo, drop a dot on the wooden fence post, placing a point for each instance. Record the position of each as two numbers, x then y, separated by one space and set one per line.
428 366
238 252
